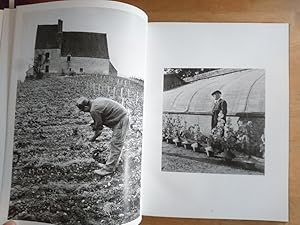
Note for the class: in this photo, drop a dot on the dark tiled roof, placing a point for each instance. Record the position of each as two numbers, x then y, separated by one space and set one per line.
46 37
84 44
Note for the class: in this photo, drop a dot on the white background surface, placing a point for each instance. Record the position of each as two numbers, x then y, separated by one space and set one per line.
218 195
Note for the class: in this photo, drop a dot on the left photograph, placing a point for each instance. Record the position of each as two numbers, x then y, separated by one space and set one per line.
78 119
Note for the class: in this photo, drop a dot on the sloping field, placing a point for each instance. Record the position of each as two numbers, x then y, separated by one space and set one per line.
53 175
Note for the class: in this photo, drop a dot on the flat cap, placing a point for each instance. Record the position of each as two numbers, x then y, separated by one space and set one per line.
216 91
82 101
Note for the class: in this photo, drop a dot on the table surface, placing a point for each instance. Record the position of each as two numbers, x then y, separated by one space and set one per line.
287 11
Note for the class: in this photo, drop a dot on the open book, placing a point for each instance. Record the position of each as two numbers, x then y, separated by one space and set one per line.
106 117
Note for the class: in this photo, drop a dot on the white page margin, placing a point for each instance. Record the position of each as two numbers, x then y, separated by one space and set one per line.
220 196
3 97
6 53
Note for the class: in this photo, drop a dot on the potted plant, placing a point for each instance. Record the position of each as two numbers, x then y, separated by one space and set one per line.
177 140
187 137
215 143
200 140
167 129
177 131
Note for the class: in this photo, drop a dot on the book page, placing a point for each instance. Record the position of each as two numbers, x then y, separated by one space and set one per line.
3 121
216 121
75 114
3 67
1 20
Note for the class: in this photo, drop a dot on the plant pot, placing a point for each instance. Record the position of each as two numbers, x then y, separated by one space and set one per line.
187 145
209 151
178 143
170 141
210 154
195 147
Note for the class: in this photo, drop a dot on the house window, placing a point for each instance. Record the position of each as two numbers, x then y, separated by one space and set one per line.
68 58
70 69
47 55
81 70
47 69
39 58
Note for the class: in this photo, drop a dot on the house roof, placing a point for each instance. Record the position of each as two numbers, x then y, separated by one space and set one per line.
77 44
244 92
84 44
46 37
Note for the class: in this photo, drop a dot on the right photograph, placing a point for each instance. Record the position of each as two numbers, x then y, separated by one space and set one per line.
214 121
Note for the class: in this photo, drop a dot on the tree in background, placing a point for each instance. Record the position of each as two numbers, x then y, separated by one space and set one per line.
39 62
187 72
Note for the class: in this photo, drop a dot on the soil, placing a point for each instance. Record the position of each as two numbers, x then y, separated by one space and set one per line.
179 159
53 171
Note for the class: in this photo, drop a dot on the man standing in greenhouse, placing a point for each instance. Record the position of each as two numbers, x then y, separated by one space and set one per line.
220 107
105 111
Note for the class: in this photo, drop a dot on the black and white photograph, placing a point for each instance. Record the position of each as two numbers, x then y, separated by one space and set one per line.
213 121
78 119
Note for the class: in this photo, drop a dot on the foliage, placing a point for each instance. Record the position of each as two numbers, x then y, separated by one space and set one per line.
38 63
188 132
198 135
172 126
223 137
176 127
186 72
230 138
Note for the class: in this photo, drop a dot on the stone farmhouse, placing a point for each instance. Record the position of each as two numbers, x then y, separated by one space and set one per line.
69 53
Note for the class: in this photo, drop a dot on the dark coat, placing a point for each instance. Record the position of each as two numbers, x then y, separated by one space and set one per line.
219 105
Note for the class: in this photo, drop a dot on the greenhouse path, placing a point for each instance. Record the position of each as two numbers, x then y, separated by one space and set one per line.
179 159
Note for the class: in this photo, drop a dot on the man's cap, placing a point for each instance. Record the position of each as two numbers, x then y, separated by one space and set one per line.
82 101
216 91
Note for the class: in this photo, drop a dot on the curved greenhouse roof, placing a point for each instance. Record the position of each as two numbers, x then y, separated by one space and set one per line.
243 90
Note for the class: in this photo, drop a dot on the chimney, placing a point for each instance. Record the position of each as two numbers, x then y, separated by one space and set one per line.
60 26
59 33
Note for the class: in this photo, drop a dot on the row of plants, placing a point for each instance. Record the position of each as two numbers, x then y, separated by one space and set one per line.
248 138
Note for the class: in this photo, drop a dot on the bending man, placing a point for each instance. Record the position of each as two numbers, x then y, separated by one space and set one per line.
107 112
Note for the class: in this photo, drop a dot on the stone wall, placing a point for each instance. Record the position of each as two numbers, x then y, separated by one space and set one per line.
89 65
54 61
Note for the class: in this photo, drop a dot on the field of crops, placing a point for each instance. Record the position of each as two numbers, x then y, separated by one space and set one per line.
53 170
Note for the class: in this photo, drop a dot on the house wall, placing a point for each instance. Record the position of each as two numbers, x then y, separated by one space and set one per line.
112 70
89 65
54 59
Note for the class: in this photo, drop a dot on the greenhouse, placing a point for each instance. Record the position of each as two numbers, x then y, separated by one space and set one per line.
243 90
